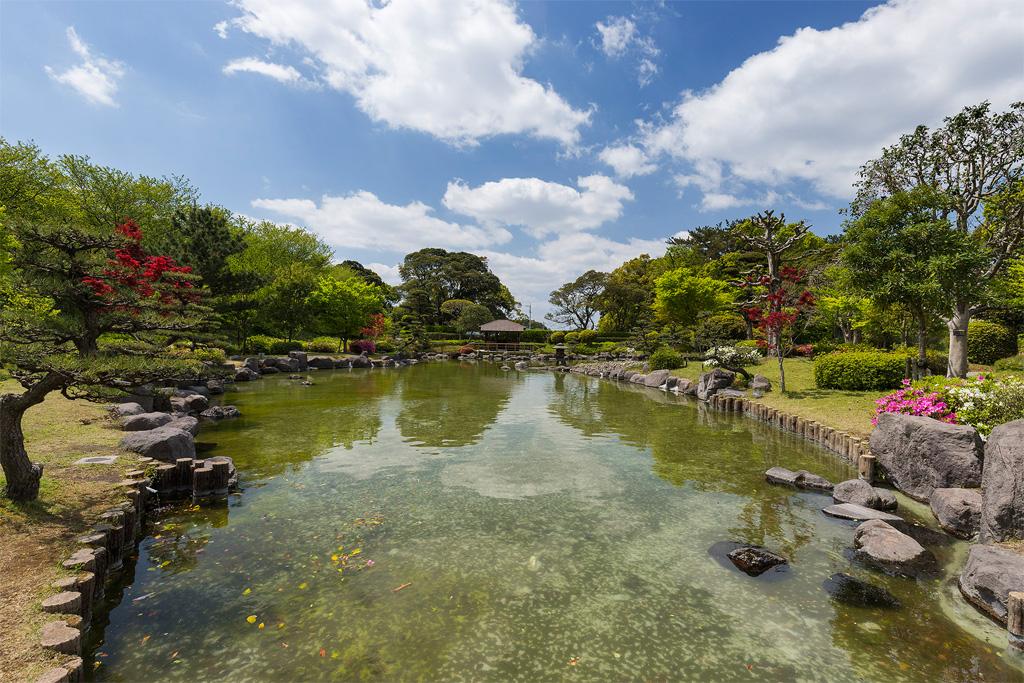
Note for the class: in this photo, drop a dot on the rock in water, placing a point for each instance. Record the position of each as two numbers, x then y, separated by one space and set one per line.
656 378
710 382
754 560
852 591
859 513
989 576
883 546
958 511
921 454
801 479
859 492
1002 507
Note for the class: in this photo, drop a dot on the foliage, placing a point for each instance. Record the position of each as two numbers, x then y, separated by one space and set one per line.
432 276
260 343
586 336
732 357
575 303
323 345
628 295
987 342
859 370
681 296
363 346
344 306
722 327
666 358
981 402
536 336
1014 363
909 400
557 337
572 337
202 354
466 315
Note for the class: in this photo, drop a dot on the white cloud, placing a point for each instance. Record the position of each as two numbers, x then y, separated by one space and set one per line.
646 72
450 69
822 103
627 160
95 78
279 72
540 207
616 35
387 273
221 28
362 221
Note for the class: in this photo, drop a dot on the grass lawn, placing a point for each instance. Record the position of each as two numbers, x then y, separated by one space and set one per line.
36 536
848 411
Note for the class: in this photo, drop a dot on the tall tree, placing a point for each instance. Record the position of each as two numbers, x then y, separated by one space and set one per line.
974 159
681 296
344 306
628 295
576 302
432 276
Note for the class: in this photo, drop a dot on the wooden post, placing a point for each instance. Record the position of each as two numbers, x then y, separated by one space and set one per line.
1015 618
866 467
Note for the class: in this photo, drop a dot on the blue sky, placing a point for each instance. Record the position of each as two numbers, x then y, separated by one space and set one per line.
550 137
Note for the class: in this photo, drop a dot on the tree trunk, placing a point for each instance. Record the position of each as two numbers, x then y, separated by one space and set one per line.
957 325
922 346
782 370
22 474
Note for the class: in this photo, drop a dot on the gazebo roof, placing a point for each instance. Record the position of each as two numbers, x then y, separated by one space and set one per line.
501 326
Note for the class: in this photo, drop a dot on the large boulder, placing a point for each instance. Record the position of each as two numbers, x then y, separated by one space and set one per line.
656 378
880 544
190 403
754 560
164 443
246 374
1002 484
710 382
185 423
301 360
321 363
144 421
760 383
920 454
989 576
859 492
361 361
126 409
958 511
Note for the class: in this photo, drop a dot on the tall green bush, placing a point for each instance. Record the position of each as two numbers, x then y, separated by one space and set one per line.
666 359
987 342
557 337
572 337
859 370
587 336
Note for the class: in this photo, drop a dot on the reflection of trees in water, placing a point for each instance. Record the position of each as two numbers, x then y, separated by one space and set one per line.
448 405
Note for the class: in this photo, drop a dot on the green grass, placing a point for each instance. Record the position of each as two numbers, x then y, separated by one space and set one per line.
848 411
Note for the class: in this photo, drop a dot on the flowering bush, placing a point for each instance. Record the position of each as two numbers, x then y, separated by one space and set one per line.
731 356
362 345
909 400
982 402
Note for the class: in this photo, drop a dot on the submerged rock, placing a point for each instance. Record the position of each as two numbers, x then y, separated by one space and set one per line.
885 547
754 560
859 492
800 479
921 454
958 511
852 591
859 513
1002 509
989 576
221 412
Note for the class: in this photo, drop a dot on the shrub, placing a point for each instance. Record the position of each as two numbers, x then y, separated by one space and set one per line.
361 345
282 346
587 336
556 337
859 370
535 336
259 343
805 350
324 345
385 347
938 362
987 342
721 327
572 337
666 359
979 401
732 356
748 344
1014 363
914 401
209 354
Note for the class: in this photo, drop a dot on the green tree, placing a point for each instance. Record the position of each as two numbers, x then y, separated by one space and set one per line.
465 315
841 305
576 302
343 306
681 296
628 295
976 161
432 276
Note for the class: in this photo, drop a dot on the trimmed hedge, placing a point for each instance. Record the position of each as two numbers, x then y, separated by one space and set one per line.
666 359
572 337
859 370
324 345
987 342
1014 363
557 337
536 336
587 336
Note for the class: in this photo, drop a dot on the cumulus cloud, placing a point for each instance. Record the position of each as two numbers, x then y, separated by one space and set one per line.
616 35
362 221
387 273
450 69
94 78
279 72
627 160
540 207
822 102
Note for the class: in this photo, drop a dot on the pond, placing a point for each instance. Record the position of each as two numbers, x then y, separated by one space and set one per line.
451 521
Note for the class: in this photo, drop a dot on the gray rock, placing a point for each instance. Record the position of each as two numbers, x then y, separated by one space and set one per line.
859 492
191 403
321 363
126 409
252 363
801 479
859 513
164 443
852 591
361 361
711 382
958 511
1002 484
246 374
686 387
638 378
780 475
186 423
187 391
920 454
215 386
144 421
670 383
989 576
760 383
888 548
522 365
301 360
754 560
269 370
220 412
656 378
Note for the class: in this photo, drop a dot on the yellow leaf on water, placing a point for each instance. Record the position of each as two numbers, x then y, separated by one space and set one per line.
334 558
355 552
260 627
247 591
251 618
303 586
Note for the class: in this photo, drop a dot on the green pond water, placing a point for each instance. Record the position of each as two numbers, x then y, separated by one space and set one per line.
544 527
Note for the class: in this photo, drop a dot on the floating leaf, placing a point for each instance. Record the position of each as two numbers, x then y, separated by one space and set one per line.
402 587
247 591
251 618
323 652
260 627
303 586
355 552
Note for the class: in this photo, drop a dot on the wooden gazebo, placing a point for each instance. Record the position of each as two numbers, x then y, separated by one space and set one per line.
501 335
